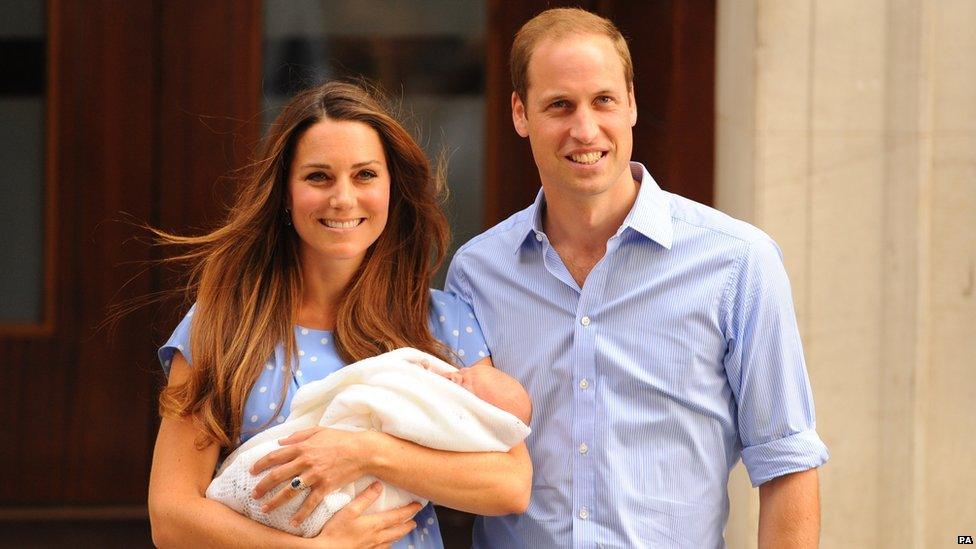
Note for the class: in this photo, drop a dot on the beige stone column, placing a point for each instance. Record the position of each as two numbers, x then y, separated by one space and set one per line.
847 131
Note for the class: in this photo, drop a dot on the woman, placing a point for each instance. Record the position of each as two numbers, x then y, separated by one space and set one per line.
325 259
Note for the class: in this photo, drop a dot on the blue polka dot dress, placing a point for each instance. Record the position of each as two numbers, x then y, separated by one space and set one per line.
451 322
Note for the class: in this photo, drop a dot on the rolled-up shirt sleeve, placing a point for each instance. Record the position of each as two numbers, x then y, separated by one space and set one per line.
766 371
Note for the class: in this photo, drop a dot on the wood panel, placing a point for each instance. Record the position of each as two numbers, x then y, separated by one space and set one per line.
209 121
673 47
148 98
72 392
209 106
672 44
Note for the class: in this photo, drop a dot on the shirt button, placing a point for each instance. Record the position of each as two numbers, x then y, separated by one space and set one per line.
584 513
584 383
583 448
538 237
585 321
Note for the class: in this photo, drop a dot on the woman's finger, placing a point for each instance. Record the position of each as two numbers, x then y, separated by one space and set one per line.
299 436
314 498
284 495
361 502
393 517
284 455
282 474
396 532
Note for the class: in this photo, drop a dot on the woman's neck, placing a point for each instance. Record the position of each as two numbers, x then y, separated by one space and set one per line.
324 282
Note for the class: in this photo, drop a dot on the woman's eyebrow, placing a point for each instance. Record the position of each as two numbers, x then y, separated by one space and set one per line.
366 163
329 167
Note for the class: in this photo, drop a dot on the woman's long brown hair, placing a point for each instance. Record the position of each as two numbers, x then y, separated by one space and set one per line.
247 279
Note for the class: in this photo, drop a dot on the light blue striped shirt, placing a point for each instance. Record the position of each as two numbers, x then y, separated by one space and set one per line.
678 355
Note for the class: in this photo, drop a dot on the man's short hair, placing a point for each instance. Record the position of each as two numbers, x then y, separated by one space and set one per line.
557 23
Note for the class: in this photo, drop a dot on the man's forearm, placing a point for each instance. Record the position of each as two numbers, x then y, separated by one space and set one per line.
486 483
789 511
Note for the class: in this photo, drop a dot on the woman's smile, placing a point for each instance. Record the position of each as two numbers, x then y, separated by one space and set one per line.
343 225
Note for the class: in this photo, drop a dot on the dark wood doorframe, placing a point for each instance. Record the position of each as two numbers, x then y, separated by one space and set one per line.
672 44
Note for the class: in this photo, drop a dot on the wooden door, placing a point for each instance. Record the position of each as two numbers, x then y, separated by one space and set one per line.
147 107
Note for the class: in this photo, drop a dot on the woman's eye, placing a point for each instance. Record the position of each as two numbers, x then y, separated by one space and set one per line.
317 176
367 174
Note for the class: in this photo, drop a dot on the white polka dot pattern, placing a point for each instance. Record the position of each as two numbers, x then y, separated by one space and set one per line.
451 322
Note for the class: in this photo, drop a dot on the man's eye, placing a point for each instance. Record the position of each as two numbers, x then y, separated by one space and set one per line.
604 100
561 104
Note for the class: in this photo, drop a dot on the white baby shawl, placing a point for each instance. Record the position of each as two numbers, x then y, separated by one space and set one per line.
389 393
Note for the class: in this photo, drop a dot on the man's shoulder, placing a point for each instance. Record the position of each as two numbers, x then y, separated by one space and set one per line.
700 219
506 235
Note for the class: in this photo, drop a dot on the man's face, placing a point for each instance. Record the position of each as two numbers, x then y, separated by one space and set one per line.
578 115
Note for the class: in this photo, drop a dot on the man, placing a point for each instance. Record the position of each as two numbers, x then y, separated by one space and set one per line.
656 336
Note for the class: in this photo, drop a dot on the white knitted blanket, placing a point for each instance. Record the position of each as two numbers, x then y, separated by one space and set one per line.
389 393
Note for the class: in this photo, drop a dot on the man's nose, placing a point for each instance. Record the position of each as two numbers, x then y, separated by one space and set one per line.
585 128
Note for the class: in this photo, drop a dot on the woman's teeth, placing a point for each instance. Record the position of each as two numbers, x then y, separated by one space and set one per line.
333 224
587 158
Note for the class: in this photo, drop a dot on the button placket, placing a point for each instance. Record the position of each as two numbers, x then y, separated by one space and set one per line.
586 406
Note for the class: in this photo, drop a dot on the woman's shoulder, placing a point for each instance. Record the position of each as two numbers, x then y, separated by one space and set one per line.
454 324
448 305
179 341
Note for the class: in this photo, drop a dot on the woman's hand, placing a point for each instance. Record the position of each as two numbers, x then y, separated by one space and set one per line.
325 459
350 528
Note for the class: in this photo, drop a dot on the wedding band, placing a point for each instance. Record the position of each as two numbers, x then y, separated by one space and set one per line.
298 484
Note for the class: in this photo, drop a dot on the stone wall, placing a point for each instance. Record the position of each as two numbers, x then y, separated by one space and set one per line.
847 130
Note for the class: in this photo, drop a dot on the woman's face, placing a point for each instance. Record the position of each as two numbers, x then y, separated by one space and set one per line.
338 191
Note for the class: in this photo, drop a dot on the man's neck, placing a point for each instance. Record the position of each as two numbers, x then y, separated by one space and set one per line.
585 224
579 227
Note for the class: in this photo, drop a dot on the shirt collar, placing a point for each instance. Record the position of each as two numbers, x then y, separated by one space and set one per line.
649 216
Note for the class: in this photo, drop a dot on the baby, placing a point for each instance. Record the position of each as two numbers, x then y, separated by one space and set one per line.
492 386
405 393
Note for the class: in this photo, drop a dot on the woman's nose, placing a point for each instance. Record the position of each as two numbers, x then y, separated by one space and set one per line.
342 196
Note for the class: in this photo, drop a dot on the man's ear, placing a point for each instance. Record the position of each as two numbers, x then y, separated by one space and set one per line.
633 106
518 116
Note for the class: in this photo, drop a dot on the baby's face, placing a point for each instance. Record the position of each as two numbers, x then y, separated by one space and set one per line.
490 385
457 377
479 379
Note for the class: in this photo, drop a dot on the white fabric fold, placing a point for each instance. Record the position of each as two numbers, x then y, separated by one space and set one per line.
391 393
